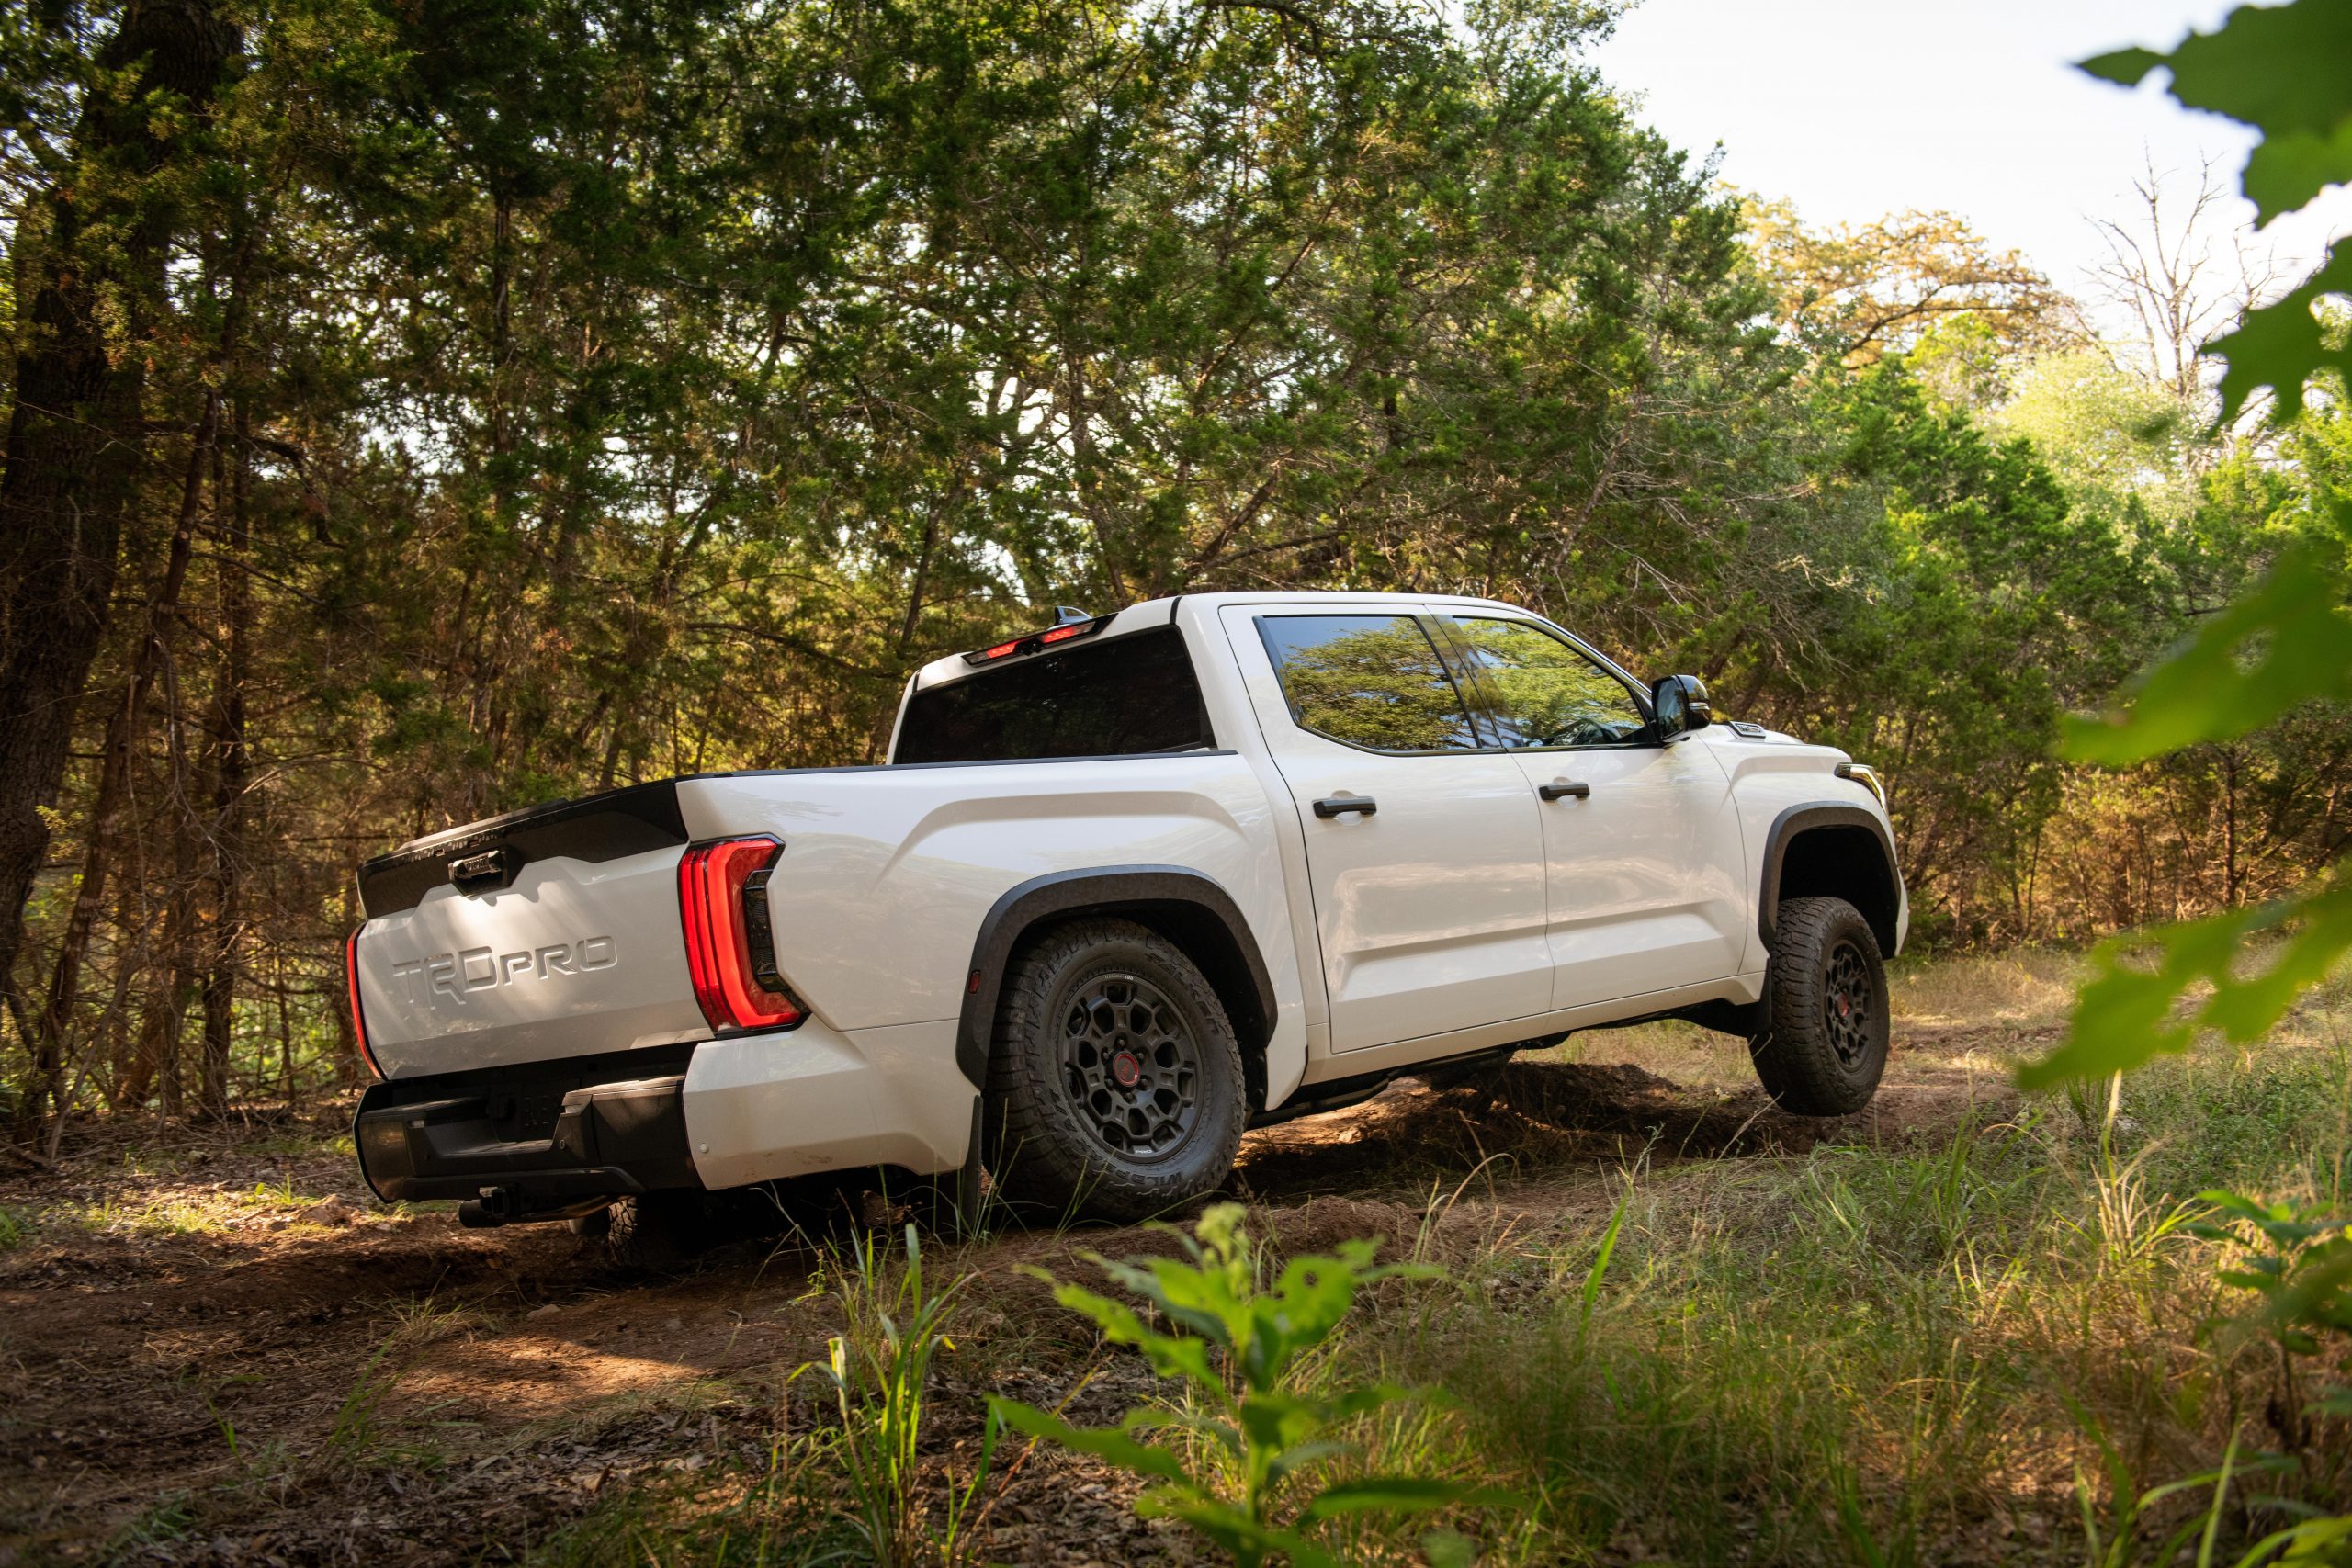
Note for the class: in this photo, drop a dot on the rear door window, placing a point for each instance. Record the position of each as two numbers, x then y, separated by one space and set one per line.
1369 680
1128 694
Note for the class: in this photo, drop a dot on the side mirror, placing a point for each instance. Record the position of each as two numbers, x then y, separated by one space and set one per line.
1680 704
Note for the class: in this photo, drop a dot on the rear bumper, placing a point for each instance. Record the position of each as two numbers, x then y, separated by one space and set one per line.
549 1138
552 1134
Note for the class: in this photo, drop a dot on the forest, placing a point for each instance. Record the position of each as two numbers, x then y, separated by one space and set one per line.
418 410
506 403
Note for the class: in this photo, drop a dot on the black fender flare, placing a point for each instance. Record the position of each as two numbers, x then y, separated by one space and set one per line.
1183 904
1805 817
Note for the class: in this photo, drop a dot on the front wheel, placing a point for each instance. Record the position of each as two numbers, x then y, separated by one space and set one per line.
1825 1047
1115 1088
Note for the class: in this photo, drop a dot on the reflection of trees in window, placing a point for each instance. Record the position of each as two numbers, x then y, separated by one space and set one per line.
1369 681
1546 693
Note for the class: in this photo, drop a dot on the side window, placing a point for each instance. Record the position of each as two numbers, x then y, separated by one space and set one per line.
1540 691
1373 680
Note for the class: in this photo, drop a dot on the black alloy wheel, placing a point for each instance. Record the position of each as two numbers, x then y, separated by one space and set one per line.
1130 1065
1115 1088
1845 995
1824 1047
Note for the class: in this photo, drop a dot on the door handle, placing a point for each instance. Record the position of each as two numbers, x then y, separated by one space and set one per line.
1554 791
1340 805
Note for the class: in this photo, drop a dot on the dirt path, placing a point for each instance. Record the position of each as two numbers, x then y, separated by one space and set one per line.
200 1363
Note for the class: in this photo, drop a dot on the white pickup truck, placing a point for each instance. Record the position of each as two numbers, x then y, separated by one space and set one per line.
1125 887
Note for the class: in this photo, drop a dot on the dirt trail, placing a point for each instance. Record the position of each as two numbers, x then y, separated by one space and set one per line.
254 1386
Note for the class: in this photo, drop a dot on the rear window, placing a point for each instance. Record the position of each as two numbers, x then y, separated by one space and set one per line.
1129 695
1370 681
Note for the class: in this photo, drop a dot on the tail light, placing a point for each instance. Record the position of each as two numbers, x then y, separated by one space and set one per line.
358 1013
1063 631
731 949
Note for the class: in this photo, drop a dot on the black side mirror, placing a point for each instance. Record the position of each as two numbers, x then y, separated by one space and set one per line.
1680 704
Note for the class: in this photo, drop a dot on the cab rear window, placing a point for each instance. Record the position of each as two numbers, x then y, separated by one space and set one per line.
1129 695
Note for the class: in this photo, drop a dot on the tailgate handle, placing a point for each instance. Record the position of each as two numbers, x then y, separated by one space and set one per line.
486 872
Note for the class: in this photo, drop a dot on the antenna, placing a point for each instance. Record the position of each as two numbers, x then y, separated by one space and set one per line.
1065 615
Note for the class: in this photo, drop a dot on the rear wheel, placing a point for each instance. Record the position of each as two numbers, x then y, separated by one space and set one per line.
1824 1048
661 1231
1115 1088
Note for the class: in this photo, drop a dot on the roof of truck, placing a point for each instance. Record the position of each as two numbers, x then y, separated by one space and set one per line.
1162 612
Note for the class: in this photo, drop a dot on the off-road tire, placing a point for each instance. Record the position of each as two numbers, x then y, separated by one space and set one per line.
663 1232
1049 1121
1823 1048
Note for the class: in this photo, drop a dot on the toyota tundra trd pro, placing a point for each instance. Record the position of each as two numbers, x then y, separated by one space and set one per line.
1125 887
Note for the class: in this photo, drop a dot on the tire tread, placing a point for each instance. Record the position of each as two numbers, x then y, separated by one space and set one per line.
1793 1058
1047 1167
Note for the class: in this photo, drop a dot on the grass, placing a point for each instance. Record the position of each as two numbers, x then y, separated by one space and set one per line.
1995 1339
1990 1337
1908 1353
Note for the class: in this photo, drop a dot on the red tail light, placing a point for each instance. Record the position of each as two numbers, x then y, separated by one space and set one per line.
1036 641
358 1013
730 951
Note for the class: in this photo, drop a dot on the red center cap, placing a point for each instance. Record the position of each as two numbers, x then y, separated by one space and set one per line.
1845 1005
1126 1069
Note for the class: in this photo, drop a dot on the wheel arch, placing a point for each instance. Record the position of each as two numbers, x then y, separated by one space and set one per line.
1187 907
1834 849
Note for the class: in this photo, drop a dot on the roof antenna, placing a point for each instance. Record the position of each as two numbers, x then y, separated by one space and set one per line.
1066 614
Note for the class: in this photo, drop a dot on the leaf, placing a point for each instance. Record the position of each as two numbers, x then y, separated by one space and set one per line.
2284 344
2286 643
2124 67
1171 1354
2127 1015
2279 68
1244 1540
1102 1442
1593 1275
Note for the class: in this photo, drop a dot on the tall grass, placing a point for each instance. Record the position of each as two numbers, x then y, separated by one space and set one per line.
879 1368
1914 1351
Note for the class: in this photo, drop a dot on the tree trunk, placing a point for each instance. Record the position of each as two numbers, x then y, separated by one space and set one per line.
113 800
75 444
230 781
156 1059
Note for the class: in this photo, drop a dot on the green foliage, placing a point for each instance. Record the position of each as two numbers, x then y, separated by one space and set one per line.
12 1229
2286 643
2130 1012
2281 70
2296 1260
879 1369
1237 1345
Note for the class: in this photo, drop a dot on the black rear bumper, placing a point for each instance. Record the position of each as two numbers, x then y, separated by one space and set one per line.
546 1138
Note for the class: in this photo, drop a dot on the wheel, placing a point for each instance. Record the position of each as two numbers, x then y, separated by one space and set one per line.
661 1231
1825 1046
1114 1086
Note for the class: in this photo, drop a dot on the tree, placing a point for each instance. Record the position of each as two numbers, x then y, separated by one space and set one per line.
2287 642
1854 294
77 429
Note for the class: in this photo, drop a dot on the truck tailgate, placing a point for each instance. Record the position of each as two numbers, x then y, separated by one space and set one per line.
548 933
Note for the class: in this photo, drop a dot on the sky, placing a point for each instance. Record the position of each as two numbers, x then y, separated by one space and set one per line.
1852 108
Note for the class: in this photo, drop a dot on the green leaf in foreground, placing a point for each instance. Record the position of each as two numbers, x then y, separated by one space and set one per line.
2284 344
2286 70
2286 643
2128 1013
